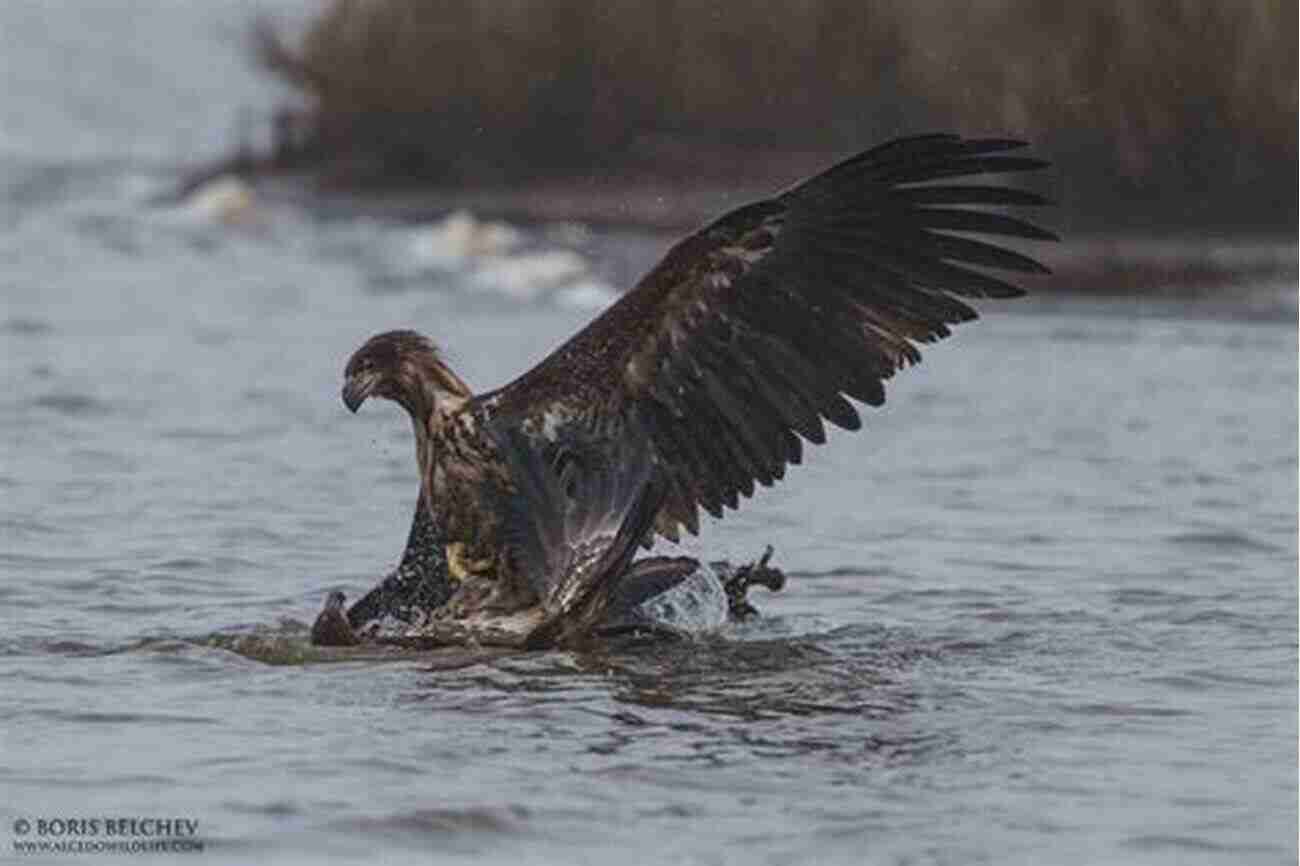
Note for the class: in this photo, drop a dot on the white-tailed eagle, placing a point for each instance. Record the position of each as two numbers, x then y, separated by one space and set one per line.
701 382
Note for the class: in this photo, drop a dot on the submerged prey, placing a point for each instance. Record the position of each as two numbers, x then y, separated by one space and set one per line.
661 594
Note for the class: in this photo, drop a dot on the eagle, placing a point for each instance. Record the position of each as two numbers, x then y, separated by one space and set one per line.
698 385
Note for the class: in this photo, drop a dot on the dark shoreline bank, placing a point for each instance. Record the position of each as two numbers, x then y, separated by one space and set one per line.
1163 261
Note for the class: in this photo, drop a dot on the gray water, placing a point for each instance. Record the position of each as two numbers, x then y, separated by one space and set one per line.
1042 610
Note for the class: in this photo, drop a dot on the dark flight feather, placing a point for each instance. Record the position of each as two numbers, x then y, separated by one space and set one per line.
752 333
574 517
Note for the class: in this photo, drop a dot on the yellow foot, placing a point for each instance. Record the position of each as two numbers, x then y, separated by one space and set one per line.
460 568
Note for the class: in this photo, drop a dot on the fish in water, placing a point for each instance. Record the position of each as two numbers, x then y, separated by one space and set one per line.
703 380
662 594
331 627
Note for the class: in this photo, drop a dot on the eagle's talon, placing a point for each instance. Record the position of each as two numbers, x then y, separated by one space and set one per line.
459 567
456 562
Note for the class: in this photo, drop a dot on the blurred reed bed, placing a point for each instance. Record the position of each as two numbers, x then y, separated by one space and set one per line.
1173 108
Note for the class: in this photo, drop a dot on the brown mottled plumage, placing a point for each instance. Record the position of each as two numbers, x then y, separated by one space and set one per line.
701 381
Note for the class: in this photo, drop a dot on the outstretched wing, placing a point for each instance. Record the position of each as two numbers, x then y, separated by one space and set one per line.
752 331
573 518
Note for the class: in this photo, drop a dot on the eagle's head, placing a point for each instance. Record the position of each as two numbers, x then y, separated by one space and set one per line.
404 367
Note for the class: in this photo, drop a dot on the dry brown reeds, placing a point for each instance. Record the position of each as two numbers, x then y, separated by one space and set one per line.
1162 106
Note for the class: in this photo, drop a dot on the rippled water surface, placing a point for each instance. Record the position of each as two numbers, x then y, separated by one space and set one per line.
1043 609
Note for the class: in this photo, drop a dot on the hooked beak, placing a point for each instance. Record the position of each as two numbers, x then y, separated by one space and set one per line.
356 389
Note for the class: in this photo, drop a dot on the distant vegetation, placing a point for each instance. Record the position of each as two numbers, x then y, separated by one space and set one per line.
1174 110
